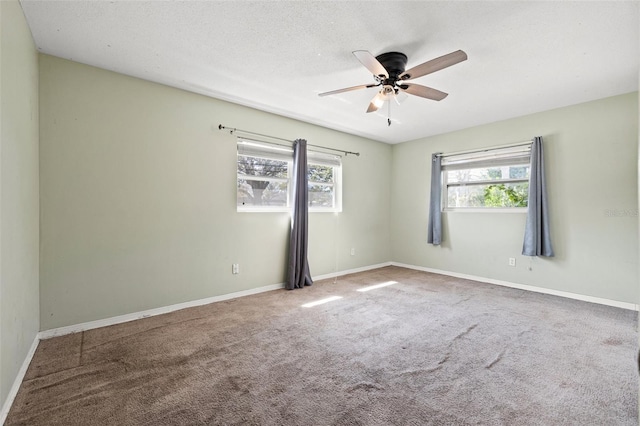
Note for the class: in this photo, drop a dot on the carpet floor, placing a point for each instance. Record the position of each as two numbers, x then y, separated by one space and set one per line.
419 349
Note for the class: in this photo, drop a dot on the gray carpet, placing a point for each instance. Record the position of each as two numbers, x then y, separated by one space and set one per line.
429 350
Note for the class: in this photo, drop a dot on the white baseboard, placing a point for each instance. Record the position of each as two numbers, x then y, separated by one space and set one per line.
18 381
171 308
47 334
584 298
351 271
61 331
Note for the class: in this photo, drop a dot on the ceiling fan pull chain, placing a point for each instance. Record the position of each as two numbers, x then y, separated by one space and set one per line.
389 113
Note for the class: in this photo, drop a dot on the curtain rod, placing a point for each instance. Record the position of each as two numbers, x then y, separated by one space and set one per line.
470 151
233 129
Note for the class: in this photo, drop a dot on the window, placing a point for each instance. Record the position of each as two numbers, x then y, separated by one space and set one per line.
491 179
325 179
264 178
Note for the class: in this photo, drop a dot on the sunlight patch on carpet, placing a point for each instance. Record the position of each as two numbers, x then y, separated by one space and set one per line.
375 286
321 301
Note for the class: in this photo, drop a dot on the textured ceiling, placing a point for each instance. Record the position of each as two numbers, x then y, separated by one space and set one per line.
276 56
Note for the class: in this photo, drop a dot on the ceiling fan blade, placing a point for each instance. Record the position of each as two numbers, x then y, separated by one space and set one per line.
434 65
348 89
423 91
376 102
370 61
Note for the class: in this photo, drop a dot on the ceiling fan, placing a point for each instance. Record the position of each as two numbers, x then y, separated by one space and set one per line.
389 72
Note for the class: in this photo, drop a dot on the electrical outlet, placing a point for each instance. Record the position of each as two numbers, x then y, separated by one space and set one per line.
512 261
353 252
235 268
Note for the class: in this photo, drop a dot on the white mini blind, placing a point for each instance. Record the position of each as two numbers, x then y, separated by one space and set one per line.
264 150
488 158
324 159
279 152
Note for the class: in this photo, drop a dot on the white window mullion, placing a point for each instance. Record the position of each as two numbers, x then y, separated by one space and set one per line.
487 182
269 179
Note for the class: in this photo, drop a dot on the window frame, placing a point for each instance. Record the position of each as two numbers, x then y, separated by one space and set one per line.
333 161
269 151
489 158
255 149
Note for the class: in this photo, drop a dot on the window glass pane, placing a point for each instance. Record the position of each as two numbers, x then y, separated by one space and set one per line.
255 166
320 174
488 173
488 195
321 195
519 172
258 193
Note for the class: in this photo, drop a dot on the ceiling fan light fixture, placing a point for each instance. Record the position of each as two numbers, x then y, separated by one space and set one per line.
376 102
400 96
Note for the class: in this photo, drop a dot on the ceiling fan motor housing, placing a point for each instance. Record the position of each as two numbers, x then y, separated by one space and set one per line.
394 63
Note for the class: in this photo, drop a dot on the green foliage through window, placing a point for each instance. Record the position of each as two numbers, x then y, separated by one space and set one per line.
501 195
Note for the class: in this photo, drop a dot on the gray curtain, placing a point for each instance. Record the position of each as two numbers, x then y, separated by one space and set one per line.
298 274
434 230
537 238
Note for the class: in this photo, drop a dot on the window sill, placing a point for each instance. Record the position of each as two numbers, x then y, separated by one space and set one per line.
287 210
262 210
487 210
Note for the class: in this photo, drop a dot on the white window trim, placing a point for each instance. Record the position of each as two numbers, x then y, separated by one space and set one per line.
484 210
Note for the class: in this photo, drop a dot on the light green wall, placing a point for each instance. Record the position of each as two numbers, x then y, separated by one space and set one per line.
138 198
19 310
591 153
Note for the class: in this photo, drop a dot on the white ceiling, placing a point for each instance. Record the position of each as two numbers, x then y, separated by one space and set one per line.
277 56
